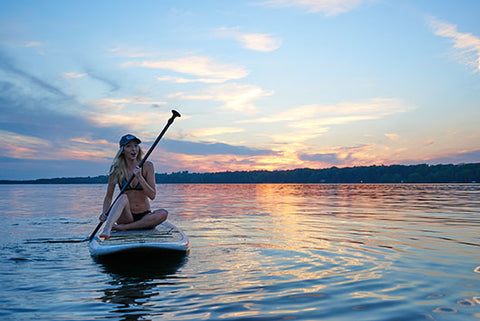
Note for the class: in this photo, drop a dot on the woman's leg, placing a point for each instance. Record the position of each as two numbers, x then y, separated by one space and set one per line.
120 212
148 221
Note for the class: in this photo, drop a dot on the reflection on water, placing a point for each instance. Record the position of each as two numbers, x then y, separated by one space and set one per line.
132 288
129 296
266 251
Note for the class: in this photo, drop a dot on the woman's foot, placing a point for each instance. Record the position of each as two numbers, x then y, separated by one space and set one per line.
105 235
120 227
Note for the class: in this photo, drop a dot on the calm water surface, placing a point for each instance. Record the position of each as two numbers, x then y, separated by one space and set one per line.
258 252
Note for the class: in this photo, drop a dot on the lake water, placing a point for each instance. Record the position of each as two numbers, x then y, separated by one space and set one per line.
257 252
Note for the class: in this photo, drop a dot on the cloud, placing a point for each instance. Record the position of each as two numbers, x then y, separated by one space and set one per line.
95 75
299 155
9 67
429 142
300 135
88 149
392 136
120 51
182 80
328 7
467 45
73 75
20 169
466 156
141 122
259 42
16 145
141 116
33 44
206 148
205 69
305 123
215 131
341 113
112 104
114 86
263 42
328 158
38 125
348 155
43 134
178 155
211 163
86 140
19 146
236 97
27 111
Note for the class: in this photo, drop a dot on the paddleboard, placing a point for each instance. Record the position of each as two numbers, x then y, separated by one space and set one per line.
152 244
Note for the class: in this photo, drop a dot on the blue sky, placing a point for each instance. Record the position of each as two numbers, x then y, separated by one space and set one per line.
267 84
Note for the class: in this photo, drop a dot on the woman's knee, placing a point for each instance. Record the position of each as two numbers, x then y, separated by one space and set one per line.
123 200
161 214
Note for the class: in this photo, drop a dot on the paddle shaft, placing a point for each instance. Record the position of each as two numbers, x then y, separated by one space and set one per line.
127 183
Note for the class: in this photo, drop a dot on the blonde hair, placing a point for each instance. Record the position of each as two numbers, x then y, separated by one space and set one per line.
119 165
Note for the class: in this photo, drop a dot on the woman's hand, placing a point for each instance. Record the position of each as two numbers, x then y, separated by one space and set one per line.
139 176
102 217
137 171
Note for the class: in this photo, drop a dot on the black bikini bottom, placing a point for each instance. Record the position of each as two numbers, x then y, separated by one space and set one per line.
139 216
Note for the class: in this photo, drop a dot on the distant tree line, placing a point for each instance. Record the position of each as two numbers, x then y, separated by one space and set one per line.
423 173
102 179
465 173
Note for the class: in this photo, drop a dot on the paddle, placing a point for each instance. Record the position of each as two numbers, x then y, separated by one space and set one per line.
124 187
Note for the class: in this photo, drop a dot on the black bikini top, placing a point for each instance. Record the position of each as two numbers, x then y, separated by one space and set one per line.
139 187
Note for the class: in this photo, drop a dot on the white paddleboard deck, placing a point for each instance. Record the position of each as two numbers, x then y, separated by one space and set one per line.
165 238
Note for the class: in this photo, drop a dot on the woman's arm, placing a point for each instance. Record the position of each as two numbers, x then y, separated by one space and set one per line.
107 201
147 180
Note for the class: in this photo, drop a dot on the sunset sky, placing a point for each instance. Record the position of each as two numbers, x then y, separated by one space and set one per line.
260 84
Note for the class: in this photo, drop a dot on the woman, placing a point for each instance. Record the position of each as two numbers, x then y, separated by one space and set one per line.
132 209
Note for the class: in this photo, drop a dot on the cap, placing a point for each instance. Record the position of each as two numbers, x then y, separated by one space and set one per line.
128 138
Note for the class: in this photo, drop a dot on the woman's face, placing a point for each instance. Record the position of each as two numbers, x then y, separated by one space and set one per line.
131 150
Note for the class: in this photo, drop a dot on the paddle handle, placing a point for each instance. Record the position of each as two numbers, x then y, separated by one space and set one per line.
127 183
